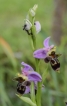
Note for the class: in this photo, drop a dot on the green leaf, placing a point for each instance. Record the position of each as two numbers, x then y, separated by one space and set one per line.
4 98
27 100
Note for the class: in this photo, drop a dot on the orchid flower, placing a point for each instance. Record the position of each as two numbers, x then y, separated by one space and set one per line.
30 73
24 82
43 52
27 76
28 26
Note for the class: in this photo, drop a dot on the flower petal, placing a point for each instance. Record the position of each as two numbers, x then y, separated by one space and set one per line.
37 26
34 76
27 90
46 42
27 67
40 53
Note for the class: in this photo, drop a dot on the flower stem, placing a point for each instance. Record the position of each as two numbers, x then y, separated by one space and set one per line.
32 92
38 96
33 43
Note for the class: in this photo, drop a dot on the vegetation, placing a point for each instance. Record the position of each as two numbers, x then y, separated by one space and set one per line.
15 47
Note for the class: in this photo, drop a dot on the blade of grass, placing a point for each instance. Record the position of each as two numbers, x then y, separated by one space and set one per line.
8 51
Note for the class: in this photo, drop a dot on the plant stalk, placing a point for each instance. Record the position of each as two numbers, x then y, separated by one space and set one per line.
32 92
38 96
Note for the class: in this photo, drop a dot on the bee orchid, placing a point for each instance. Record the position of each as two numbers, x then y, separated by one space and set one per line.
48 54
28 71
43 52
27 76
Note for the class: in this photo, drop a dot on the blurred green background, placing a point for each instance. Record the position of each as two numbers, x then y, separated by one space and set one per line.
15 47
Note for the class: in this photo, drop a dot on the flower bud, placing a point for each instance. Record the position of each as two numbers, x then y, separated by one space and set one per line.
37 26
35 7
27 25
32 12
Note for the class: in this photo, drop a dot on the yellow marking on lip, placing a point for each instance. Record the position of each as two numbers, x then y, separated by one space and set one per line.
53 49
58 70
22 76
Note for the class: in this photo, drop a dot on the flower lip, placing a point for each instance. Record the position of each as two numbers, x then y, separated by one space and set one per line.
21 88
27 90
19 79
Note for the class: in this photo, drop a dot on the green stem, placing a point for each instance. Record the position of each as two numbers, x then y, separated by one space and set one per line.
32 92
38 96
33 42
32 84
